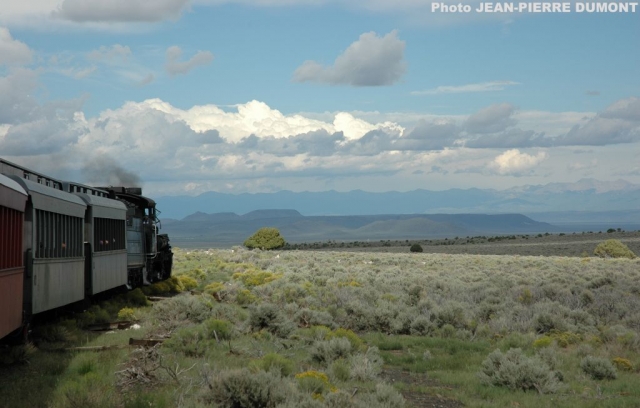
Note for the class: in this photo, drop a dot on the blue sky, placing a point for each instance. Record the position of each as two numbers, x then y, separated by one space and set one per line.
258 96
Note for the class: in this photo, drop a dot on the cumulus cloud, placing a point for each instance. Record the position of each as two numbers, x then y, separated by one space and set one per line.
12 51
16 95
369 61
513 162
174 66
430 135
618 123
491 86
50 128
510 138
492 119
120 10
250 144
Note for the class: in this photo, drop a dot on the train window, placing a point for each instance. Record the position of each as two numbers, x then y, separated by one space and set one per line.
109 234
58 235
10 238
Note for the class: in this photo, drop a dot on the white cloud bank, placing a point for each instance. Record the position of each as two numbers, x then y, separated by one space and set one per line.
369 61
254 147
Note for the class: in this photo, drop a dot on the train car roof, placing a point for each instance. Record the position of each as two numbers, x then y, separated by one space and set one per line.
12 194
50 199
11 184
104 207
12 169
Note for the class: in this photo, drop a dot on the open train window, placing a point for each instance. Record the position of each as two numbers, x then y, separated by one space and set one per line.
109 234
58 235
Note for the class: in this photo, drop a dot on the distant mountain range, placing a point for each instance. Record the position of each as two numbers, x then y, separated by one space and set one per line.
220 229
586 195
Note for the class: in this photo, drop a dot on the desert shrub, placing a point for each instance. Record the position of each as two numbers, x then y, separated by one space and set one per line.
448 331
549 356
188 341
244 297
584 350
384 396
402 322
256 277
126 313
598 368
215 289
516 371
452 314
415 248
19 354
275 362
564 339
526 297
314 382
94 315
600 282
546 322
223 329
587 297
267 316
356 342
158 288
54 333
623 364
327 351
366 366
187 282
174 312
308 317
244 389
544 341
613 248
421 325
136 298
265 239
340 370
175 284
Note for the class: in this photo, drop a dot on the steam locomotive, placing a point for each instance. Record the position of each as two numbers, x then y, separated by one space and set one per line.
62 242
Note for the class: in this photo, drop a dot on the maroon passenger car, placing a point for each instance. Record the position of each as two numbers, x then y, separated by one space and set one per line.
13 199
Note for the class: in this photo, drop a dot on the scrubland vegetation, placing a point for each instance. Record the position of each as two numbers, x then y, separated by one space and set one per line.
345 329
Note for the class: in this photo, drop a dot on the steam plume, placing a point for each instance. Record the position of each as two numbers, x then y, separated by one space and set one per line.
105 171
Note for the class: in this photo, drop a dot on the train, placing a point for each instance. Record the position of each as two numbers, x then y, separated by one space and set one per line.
63 242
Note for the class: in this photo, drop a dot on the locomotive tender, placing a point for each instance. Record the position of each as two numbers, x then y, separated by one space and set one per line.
62 242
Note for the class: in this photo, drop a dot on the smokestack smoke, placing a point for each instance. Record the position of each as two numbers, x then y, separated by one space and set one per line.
105 171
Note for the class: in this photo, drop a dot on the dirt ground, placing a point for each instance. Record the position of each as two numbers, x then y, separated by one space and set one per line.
431 398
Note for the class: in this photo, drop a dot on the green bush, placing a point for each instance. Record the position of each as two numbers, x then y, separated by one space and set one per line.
267 316
415 248
265 239
223 329
366 366
340 370
612 248
275 362
598 368
329 350
516 371
243 389
136 298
